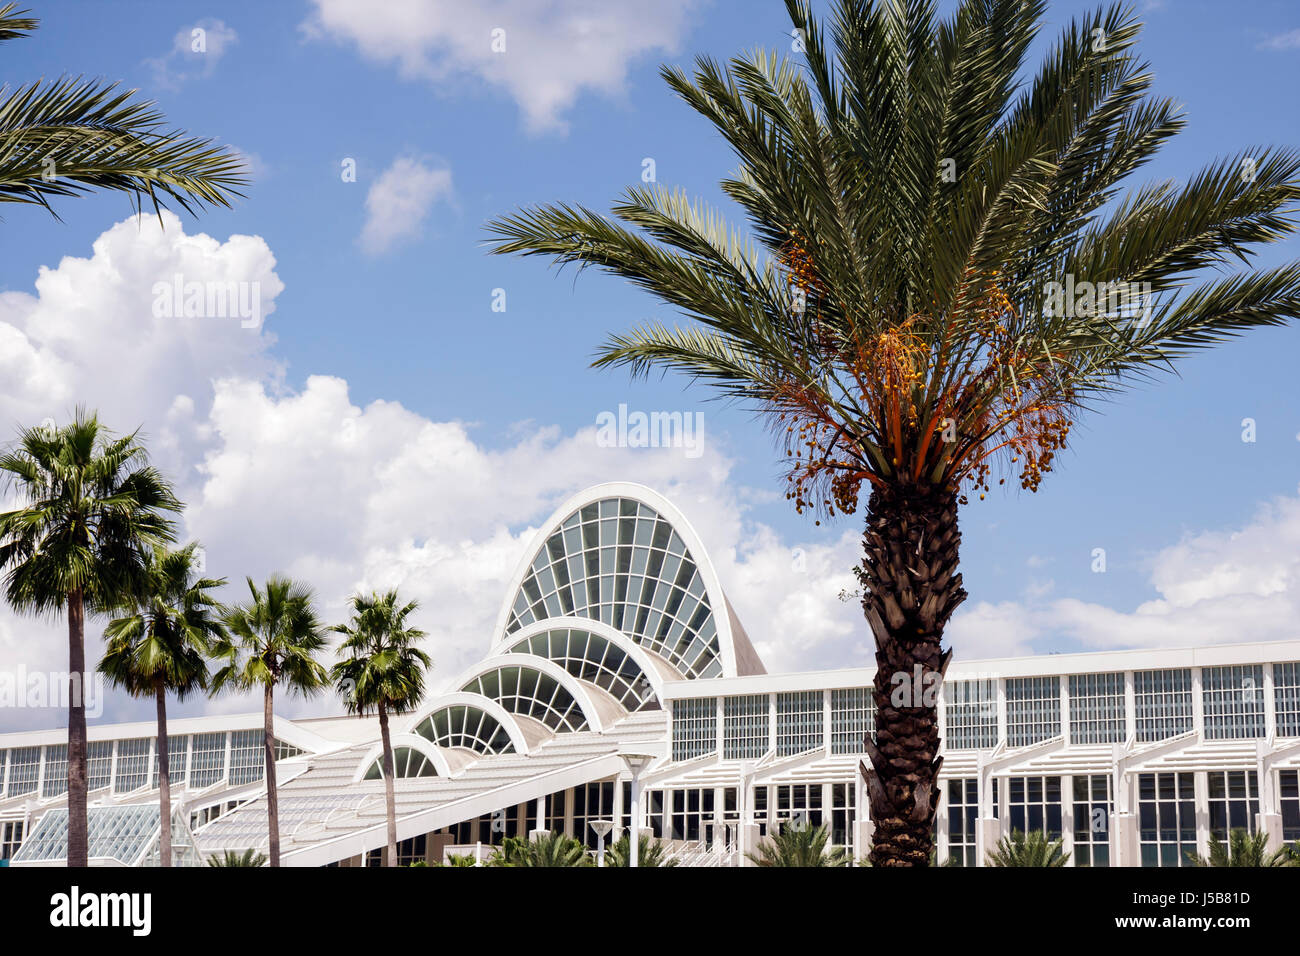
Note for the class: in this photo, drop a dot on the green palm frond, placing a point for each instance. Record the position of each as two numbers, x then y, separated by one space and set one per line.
72 135
235 858
799 846
547 849
909 204
1246 849
1028 849
651 852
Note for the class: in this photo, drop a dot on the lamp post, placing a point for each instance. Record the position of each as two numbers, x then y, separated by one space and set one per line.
601 828
636 762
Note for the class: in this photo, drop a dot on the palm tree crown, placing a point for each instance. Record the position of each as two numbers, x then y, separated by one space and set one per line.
1028 849
72 135
272 640
168 629
382 663
1247 849
914 208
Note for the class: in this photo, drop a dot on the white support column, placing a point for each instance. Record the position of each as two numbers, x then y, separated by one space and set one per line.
1198 704
1270 710
771 721
720 712
826 721
1067 814
1065 708
1130 706
1201 790
1003 736
617 812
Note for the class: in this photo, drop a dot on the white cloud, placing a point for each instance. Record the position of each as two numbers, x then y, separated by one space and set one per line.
399 201
1289 40
196 50
554 49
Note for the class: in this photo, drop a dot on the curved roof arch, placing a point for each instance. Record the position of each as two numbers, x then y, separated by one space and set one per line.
538 698
403 741
610 660
468 729
623 554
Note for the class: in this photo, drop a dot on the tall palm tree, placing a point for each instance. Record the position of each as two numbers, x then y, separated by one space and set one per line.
161 644
799 846
90 506
382 670
941 274
272 640
72 135
1247 849
1028 849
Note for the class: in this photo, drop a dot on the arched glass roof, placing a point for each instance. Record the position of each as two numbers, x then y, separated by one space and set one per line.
595 659
619 561
407 762
463 725
525 690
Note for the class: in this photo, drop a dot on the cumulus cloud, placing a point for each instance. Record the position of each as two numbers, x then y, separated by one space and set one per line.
196 51
1290 40
399 202
543 53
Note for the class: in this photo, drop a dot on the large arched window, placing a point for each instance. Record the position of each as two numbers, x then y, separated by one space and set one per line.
595 659
463 725
525 690
407 762
619 561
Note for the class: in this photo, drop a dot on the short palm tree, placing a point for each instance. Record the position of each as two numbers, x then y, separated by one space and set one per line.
233 858
799 846
383 671
546 849
72 135
941 274
272 640
90 507
1246 849
160 645
650 852
1028 849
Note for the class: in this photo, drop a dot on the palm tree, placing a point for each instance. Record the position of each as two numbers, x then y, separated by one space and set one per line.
799 846
73 135
161 644
1246 849
650 852
547 849
232 858
272 640
381 670
90 506
1032 849
941 275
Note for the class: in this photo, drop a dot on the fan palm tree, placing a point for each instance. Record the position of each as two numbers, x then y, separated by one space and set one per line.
72 135
90 507
382 670
160 645
650 852
546 849
799 846
1031 849
233 858
272 641
941 274
1246 849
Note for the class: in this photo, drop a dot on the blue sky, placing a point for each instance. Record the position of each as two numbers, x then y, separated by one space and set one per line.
1161 479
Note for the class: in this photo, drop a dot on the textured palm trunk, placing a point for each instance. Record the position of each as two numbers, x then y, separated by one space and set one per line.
272 797
164 781
78 841
910 589
390 799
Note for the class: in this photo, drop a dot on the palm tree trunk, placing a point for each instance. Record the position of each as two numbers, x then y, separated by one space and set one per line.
164 781
272 798
390 800
910 588
78 840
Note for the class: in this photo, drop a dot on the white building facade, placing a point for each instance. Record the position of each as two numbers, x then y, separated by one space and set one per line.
619 685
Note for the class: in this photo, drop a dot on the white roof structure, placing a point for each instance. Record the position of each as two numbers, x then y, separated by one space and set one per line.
615 638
